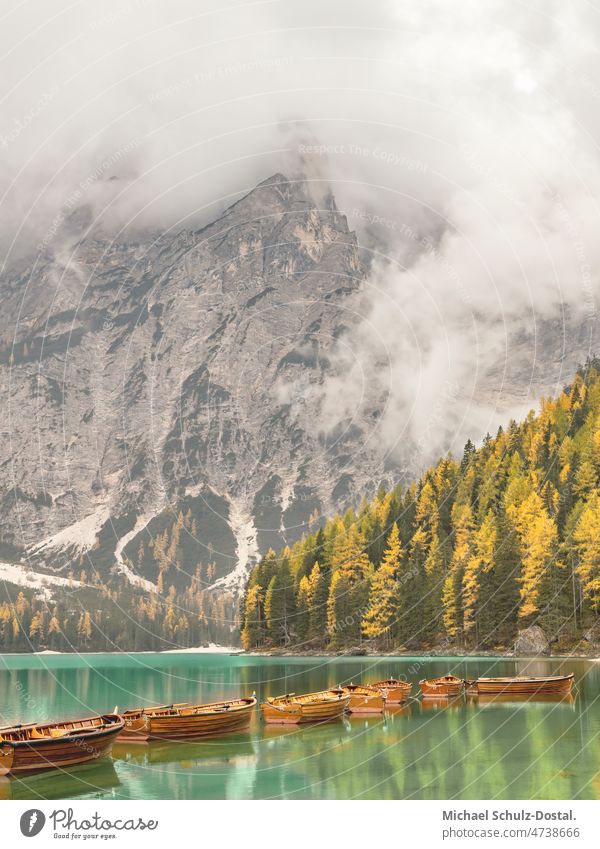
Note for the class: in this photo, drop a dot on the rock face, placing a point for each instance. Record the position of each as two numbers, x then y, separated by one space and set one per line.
531 641
174 373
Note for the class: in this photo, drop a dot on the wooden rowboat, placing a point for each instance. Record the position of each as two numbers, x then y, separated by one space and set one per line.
364 699
443 687
176 722
311 707
394 690
28 748
521 686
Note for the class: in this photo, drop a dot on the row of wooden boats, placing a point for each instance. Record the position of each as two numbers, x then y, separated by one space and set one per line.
32 747
333 703
373 698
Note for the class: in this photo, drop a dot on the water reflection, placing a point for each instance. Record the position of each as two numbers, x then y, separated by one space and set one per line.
432 703
186 754
507 698
89 780
401 710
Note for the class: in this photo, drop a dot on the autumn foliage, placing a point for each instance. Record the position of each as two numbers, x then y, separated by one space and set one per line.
505 537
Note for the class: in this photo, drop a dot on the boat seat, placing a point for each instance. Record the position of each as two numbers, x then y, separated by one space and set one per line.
58 732
37 734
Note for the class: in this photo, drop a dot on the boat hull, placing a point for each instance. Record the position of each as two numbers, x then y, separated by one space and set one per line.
439 688
297 712
187 722
395 692
365 700
553 685
29 756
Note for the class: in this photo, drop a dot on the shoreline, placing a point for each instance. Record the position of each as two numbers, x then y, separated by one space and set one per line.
232 651
212 650
426 655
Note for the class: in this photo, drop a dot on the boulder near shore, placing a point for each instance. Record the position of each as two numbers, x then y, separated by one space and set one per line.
532 641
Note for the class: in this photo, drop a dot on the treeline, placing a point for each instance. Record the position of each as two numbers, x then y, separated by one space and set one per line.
114 617
505 538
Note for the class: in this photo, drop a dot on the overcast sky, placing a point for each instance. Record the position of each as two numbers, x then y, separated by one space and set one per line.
460 138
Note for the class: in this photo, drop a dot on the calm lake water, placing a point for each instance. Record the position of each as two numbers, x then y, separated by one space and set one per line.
467 750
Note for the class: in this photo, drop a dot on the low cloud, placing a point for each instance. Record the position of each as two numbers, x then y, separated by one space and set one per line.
460 140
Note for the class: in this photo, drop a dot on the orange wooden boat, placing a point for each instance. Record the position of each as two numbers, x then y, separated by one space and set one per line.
443 687
28 748
521 686
311 707
364 699
394 690
176 722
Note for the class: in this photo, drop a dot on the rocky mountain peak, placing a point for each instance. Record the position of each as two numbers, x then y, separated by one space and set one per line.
178 372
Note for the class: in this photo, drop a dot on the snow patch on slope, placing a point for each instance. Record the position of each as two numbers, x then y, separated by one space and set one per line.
22 576
122 567
137 580
78 537
246 547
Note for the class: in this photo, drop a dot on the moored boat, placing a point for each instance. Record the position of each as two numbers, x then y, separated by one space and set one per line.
522 685
310 707
364 699
394 690
176 722
32 747
443 687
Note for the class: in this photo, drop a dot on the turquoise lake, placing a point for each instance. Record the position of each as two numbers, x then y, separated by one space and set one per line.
466 750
